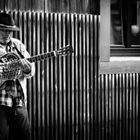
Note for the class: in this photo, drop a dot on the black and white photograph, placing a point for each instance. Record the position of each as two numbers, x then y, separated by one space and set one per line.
69 69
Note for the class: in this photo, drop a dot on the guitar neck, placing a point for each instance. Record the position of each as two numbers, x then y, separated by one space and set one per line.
40 57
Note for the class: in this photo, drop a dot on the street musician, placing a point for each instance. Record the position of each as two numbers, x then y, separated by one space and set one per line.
14 121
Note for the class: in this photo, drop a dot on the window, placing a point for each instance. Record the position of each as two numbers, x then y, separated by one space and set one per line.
119 37
125 28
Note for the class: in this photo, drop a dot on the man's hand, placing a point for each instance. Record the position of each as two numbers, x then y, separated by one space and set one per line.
25 66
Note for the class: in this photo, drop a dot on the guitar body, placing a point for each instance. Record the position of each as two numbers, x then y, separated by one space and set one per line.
9 57
11 71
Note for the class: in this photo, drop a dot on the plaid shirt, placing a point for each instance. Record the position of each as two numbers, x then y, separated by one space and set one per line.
12 88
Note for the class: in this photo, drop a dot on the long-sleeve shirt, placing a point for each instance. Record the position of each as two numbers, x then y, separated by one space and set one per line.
12 88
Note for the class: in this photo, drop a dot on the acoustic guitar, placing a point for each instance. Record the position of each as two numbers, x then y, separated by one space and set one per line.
10 68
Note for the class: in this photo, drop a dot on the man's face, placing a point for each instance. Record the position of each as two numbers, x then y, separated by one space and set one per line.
5 36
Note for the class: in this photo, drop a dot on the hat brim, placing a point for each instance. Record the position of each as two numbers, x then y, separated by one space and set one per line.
9 28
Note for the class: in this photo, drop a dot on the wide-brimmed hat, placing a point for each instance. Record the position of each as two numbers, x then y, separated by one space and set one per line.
7 22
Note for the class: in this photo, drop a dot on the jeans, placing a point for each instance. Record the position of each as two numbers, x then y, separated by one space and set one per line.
14 123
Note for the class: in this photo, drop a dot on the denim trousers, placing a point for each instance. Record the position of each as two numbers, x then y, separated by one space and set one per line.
14 123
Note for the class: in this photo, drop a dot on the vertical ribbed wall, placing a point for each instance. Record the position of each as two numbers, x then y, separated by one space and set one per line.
67 100
60 95
118 106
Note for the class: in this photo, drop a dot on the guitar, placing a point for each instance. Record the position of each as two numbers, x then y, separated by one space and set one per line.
14 71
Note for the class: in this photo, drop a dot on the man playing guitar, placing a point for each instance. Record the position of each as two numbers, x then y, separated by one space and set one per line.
14 122
15 66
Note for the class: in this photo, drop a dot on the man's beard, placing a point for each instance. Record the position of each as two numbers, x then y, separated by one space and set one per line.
5 39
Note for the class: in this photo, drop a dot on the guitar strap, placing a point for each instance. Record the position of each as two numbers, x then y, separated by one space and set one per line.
21 55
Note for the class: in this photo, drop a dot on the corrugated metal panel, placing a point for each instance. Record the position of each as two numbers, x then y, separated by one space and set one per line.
60 95
118 107
66 98
66 6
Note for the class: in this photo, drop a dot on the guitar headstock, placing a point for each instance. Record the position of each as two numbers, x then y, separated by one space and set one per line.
65 50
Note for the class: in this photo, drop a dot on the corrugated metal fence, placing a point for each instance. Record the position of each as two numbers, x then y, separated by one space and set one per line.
67 100
118 106
60 95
